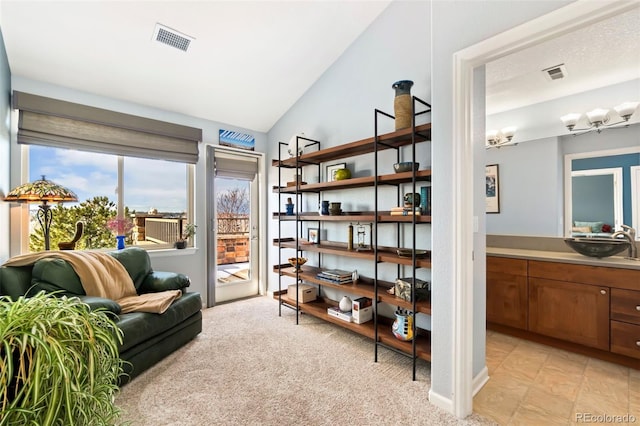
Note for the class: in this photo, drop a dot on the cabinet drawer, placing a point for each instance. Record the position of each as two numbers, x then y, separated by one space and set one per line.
625 305
625 339
595 275
507 265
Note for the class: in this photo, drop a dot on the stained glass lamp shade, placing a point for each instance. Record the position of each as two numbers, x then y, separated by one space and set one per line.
44 192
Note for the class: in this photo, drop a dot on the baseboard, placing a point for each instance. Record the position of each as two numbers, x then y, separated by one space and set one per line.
447 404
440 401
480 380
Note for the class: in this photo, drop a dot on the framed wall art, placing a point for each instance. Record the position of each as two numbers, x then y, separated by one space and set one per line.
492 185
313 235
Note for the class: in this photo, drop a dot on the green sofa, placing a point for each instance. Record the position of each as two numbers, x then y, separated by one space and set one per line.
147 337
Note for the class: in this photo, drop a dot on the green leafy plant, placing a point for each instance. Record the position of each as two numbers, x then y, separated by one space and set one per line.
59 362
189 231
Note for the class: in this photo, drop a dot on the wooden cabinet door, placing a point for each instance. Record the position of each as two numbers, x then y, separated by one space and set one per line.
507 292
577 313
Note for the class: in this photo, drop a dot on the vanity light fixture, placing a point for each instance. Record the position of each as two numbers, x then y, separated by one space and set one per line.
599 119
497 139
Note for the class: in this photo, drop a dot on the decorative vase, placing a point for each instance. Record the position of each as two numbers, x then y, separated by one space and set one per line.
120 241
345 304
181 244
294 142
334 208
342 174
289 208
402 103
402 327
411 199
324 208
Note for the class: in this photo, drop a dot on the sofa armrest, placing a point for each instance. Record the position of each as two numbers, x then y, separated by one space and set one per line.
95 303
160 281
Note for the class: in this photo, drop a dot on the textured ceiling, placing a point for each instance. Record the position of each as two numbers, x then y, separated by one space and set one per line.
599 55
250 60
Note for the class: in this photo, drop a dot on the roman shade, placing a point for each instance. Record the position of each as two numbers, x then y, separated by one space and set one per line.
62 124
235 167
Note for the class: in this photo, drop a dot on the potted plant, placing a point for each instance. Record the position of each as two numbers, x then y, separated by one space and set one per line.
59 362
120 227
188 231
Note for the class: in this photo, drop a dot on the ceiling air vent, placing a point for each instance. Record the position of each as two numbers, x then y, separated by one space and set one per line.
555 72
172 37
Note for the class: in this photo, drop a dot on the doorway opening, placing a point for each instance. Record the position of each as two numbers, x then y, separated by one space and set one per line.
234 212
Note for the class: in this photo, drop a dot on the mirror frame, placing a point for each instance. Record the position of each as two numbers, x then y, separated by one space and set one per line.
568 158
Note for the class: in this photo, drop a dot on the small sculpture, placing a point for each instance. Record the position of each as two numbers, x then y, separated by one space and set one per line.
71 245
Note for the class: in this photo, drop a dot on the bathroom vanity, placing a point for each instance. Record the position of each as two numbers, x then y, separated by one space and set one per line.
564 299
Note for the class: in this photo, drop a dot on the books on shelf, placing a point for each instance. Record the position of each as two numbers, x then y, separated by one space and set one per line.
334 311
336 276
405 211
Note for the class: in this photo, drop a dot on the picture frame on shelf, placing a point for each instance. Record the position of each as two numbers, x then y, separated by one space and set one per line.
331 171
313 235
492 185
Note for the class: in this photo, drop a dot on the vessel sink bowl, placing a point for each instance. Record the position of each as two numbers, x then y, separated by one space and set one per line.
597 247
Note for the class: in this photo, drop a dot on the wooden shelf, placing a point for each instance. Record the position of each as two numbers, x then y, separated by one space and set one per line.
364 146
318 309
385 254
383 216
364 287
359 182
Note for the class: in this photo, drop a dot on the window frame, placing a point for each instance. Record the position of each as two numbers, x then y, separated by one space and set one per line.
190 200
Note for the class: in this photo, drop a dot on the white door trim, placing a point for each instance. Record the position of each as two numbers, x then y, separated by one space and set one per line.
635 199
616 190
561 21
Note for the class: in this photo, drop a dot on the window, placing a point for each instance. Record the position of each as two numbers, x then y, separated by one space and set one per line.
154 196
117 163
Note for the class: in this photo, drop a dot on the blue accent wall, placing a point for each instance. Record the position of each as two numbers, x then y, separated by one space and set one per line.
624 161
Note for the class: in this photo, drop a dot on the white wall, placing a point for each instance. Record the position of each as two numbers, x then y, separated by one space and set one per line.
529 182
189 262
532 179
339 108
456 25
5 127
542 120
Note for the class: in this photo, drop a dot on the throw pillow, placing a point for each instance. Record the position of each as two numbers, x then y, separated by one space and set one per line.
586 229
55 275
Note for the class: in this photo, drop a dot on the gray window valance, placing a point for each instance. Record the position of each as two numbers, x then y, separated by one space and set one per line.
235 167
62 124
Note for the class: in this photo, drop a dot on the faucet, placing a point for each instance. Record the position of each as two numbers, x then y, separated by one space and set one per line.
630 234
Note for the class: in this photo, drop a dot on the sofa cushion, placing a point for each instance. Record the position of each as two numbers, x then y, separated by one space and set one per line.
107 305
140 326
137 263
15 281
55 275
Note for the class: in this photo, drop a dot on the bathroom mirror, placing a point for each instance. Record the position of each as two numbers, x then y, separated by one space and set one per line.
603 186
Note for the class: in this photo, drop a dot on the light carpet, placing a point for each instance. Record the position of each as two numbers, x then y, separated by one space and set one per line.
251 367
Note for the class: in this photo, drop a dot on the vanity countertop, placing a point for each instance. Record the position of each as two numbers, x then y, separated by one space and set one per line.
564 257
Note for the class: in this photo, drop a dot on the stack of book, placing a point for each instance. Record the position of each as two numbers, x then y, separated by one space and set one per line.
336 276
405 211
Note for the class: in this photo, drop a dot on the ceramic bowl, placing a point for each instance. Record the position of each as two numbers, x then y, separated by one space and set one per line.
403 252
406 166
297 262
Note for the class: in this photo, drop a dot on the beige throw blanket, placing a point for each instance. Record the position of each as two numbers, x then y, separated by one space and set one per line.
102 275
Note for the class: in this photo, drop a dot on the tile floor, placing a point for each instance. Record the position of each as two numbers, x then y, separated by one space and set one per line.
533 384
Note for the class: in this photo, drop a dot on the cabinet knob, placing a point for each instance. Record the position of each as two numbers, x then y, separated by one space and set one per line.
637 307
638 343
603 291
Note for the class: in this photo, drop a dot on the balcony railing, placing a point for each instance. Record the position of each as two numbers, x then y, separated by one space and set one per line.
163 231
168 230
